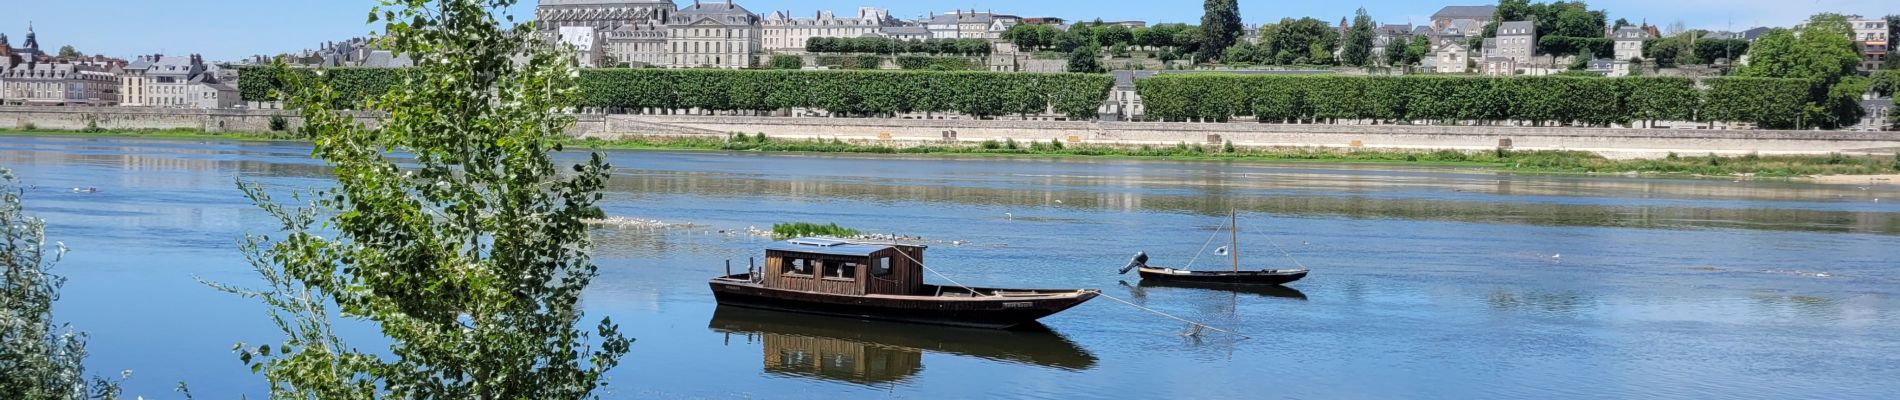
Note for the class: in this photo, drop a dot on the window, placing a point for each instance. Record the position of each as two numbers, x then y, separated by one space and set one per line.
841 270
795 266
883 267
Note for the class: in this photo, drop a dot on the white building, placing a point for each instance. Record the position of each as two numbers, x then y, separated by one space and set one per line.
1517 40
1453 58
1871 36
713 35
625 31
582 40
1629 42
176 82
783 33
636 45
969 24
59 84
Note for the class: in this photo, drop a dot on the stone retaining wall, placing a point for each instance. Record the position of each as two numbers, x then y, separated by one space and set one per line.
1626 143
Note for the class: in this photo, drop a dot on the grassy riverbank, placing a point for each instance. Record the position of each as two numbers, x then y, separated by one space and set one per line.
1540 161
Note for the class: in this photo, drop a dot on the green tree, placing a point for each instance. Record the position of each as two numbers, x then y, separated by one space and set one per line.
68 51
1220 27
1031 37
1892 61
1293 41
1822 53
1394 55
1085 60
1357 50
787 62
471 256
42 360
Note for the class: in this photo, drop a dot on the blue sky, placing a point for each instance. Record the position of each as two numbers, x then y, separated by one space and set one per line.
231 29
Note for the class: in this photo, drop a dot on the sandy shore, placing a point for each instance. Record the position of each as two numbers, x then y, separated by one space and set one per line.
1858 179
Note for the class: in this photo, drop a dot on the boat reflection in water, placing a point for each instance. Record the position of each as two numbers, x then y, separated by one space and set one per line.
1262 290
874 352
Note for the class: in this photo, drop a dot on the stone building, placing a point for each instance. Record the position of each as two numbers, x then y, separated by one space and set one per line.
784 33
623 32
354 52
713 35
637 45
28 76
1517 40
969 24
602 15
1870 35
176 82
59 84
1629 45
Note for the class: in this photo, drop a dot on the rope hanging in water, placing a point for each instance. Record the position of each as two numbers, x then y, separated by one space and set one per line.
1197 324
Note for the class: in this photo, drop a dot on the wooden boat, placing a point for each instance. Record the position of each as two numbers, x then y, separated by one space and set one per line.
870 352
1232 277
880 281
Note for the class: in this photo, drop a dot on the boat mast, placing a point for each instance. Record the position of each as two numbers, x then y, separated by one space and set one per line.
1234 247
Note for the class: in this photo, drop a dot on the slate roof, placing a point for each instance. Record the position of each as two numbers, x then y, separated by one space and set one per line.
1473 12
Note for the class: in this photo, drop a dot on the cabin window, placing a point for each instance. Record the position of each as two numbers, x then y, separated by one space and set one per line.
796 266
841 270
883 267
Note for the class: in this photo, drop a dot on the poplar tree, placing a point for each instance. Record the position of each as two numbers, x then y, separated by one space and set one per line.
1357 51
448 227
1220 28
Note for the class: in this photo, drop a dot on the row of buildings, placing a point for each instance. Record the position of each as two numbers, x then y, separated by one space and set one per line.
723 34
1514 47
30 76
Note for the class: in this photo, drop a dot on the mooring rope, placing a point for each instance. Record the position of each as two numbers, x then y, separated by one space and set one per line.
939 274
1289 256
1210 241
1191 322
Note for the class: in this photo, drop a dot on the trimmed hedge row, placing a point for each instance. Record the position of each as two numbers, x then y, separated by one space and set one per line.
848 92
1541 100
845 92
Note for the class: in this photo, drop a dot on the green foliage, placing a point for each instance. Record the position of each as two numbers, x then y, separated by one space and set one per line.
938 63
1571 45
1820 52
1541 100
846 92
1220 28
68 52
1085 60
1885 82
1766 102
1562 18
889 46
41 360
1358 46
1032 37
807 229
786 62
1299 42
278 123
470 254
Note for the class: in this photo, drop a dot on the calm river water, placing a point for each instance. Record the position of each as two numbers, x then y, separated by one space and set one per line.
1427 283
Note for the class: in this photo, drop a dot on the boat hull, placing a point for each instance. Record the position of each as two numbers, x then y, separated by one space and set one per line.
1223 277
977 312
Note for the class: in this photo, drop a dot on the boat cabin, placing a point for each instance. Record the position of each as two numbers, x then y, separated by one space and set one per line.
842 267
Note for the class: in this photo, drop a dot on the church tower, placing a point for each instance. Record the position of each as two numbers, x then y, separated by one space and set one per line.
32 40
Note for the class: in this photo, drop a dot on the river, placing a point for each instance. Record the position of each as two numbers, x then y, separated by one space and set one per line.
1428 282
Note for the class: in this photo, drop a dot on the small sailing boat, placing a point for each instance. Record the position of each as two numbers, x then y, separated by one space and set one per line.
1233 277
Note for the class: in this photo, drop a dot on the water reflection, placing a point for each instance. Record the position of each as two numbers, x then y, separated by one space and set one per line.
1273 291
871 352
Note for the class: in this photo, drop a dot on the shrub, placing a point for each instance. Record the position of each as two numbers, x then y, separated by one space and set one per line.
278 123
1055 144
1010 143
804 229
991 144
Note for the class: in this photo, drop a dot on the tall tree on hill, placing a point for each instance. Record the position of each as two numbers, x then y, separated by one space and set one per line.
1357 51
1085 60
1893 33
1220 27
68 51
